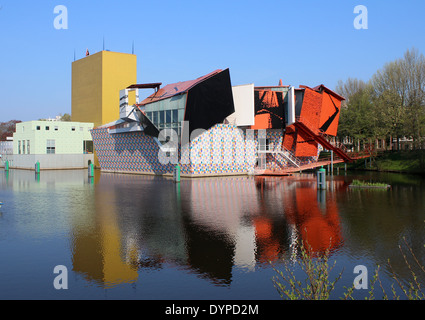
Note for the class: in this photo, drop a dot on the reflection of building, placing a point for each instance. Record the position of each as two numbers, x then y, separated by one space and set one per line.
208 226
216 129
97 243
54 144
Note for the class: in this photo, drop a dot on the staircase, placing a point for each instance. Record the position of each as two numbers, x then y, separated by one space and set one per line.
280 150
320 137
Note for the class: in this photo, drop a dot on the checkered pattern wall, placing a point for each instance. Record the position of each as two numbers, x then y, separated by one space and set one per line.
222 149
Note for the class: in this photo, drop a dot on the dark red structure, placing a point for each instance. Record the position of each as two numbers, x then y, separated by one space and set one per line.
317 112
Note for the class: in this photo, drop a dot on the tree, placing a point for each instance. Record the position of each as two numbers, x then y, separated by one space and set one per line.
66 117
399 94
7 129
391 103
357 118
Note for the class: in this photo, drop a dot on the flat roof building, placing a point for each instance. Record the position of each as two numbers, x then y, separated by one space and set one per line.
54 144
96 82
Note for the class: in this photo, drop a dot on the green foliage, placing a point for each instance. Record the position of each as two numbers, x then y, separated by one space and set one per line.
410 161
7 129
317 284
390 104
367 184
66 117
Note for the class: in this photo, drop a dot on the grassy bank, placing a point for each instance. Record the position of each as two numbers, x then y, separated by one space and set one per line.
393 161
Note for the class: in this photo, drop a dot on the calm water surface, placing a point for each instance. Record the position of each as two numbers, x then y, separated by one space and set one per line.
143 237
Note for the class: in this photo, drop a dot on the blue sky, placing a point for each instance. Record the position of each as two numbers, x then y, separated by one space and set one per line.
301 42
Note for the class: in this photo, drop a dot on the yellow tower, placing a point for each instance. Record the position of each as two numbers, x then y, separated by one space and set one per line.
96 83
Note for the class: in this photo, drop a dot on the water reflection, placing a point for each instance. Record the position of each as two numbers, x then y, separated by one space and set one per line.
207 226
122 227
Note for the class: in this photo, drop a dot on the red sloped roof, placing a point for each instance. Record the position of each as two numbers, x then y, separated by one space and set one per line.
326 89
177 88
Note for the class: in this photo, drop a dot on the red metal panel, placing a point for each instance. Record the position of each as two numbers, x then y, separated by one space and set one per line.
176 88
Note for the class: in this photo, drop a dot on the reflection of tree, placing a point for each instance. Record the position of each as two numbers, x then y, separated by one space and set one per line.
380 219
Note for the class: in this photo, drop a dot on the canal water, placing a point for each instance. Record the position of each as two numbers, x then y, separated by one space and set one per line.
142 237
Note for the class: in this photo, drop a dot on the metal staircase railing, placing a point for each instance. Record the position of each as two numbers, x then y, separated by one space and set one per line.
281 150
337 145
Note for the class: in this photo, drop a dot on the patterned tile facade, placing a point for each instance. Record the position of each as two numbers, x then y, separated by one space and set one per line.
222 150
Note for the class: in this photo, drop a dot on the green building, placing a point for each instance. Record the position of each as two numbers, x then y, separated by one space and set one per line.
54 144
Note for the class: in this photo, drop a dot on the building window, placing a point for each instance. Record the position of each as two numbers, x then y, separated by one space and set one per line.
175 116
19 147
28 146
23 146
47 128
73 129
168 116
155 116
51 147
87 146
56 128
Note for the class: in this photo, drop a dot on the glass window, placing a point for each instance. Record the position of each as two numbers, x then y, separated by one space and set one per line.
38 128
50 147
181 115
23 146
155 118
175 116
87 146
168 116
19 147
161 117
56 128
28 146
47 128
73 128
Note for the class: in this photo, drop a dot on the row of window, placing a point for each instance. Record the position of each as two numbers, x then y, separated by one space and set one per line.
56 128
21 147
166 116
24 146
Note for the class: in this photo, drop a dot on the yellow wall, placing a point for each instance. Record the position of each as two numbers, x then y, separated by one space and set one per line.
86 97
96 82
119 71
